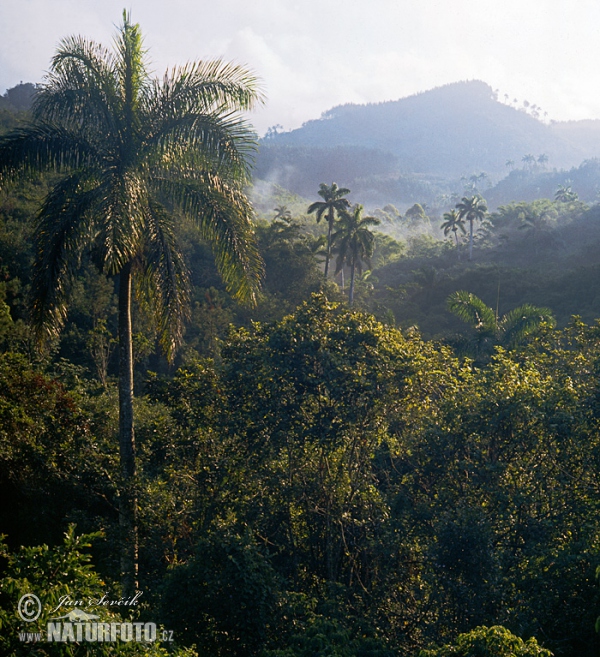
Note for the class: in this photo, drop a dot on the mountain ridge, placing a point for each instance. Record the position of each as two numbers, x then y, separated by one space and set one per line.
450 130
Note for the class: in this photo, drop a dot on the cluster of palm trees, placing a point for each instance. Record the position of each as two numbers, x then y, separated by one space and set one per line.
530 162
352 240
469 209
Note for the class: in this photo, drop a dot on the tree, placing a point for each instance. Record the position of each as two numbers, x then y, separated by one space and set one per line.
126 144
471 209
453 222
355 243
282 212
494 641
416 213
565 194
528 161
333 203
509 330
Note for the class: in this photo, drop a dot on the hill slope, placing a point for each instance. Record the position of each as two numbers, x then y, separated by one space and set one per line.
448 131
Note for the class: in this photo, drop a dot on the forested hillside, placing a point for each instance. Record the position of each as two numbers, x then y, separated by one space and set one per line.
400 458
423 145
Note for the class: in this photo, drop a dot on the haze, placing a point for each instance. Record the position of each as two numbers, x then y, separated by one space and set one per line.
315 54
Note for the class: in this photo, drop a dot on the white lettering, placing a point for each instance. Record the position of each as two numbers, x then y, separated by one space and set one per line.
54 630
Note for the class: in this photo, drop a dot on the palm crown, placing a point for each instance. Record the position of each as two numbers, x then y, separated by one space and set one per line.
129 144
471 209
453 222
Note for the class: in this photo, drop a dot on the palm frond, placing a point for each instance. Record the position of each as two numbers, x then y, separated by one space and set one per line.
355 242
319 207
201 142
523 321
223 215
81 89
121 212
130 66
207 86
42 147
472 310
65 227
164 281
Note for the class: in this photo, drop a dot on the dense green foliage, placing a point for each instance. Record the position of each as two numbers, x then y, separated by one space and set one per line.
335 483
415 476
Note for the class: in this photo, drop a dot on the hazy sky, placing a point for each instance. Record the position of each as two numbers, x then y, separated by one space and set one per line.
314 54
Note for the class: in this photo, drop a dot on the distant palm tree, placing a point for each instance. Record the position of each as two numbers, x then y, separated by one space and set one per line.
333 203
510 164
529 161
453 222
565 194
471 209
282 212
542 160
354 243
124 144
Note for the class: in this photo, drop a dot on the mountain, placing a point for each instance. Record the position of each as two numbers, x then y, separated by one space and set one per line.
444 133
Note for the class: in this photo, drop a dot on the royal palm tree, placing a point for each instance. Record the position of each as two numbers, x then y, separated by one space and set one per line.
453 222
471 209
354 243
333 203
528 161
131 148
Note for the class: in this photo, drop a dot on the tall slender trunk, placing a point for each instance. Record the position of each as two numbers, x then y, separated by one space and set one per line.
330 228
471 240
351 291
128 487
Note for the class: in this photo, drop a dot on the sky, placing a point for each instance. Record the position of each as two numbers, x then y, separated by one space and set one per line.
311 55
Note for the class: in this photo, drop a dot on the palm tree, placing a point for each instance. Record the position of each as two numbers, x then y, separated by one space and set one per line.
528 161
471 209
453 222
282 212
333 203
127 144
355 243
508 330
542 160
565 194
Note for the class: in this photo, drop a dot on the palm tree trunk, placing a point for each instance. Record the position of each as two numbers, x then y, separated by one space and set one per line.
127 492
328 257
471 240
457 244
351 290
